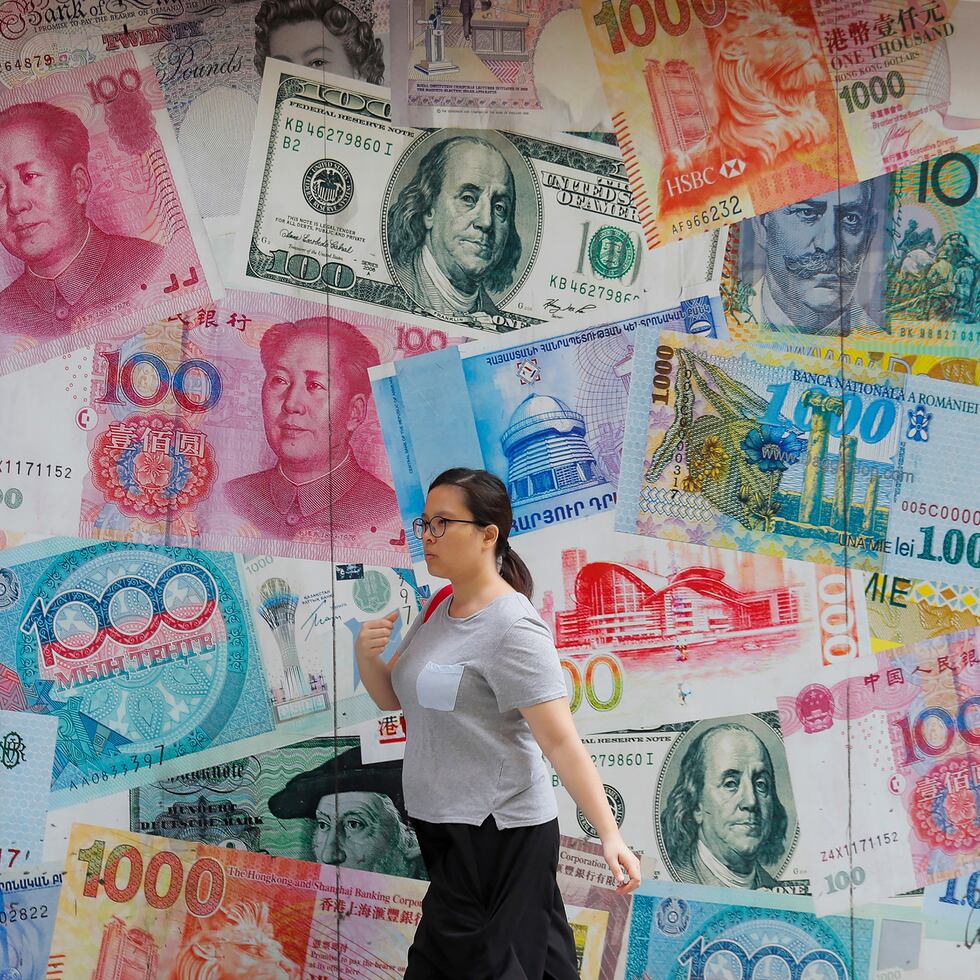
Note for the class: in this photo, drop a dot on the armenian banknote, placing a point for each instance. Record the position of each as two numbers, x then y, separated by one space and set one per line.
28 908
652 631
27 757
525 66
546 414
696 933
890 264
750 839
111 238
208 58
738 107
160 660
245 426
759 449
894 741
485 230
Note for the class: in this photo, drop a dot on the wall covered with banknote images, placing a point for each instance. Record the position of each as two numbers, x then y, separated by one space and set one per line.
698 279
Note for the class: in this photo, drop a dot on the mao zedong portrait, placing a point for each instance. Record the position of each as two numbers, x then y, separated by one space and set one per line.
452 233
723 818
814 254
359 814
310 415
72 267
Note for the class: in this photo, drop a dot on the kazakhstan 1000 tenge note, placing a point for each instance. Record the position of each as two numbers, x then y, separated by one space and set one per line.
890 264
245 426
733 108
502 404
759 449
157 660
883 755
110 239
647 775
490 231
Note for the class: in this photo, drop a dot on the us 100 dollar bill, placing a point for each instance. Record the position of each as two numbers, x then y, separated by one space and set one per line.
490 231
737 107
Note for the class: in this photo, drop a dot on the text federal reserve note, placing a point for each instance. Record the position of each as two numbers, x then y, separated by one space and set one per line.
733 108
487 230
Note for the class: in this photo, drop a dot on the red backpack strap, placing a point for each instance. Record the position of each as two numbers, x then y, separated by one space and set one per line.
443 593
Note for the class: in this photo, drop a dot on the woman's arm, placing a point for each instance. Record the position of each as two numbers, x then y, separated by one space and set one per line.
375 673
552 726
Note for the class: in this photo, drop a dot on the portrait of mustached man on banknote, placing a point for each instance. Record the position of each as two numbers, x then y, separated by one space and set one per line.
72 267
452 234
815 276
311 406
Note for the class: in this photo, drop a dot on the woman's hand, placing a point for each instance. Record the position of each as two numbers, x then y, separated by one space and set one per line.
374 635
622 862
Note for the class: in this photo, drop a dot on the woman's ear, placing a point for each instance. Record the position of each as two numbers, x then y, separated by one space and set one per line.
490 534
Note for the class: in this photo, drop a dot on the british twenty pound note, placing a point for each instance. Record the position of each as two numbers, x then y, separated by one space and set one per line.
652 631
523 66
245 426
890 264
545 413
733 108
486 230
883 755
100 233
707 802
742 447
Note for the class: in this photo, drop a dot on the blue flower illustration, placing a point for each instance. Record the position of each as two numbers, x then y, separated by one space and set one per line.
771 448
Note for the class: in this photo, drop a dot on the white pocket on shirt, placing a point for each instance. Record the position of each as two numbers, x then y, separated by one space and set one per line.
438 685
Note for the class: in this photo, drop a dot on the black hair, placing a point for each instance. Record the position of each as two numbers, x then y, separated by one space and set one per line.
489 503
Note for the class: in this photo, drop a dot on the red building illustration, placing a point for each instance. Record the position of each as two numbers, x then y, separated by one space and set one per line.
126 954
628 605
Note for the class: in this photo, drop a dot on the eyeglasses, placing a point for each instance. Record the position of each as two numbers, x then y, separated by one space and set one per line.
437 525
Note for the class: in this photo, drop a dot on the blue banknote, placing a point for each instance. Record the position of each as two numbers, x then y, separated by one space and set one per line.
692 932
545 413
144 656
952 910
26 758
28 907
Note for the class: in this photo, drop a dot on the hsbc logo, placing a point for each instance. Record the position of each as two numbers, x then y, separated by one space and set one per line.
696 179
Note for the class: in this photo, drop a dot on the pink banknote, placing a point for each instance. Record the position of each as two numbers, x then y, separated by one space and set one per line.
247 426
885 760
99 232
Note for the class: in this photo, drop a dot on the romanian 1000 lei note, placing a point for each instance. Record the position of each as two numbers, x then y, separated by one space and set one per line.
731 108
894 740
890 264
488 230
758 449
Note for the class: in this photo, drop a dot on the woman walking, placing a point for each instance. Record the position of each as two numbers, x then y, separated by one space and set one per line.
483 693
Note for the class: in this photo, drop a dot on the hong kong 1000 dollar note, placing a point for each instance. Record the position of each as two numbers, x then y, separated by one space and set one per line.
891 264
729 109
244 426
486 230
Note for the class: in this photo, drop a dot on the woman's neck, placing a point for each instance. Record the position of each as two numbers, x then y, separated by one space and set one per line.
471 593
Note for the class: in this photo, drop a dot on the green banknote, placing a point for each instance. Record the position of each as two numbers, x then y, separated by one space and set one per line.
487 230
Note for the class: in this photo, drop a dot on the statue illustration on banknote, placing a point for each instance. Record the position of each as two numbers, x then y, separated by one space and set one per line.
452 232
359 814
321 34
73 268
309 421
721 819
804 268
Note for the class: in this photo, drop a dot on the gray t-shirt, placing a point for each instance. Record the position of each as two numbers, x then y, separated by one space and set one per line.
460 682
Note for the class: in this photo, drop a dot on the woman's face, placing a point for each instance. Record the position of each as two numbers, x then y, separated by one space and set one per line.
461 547
309 43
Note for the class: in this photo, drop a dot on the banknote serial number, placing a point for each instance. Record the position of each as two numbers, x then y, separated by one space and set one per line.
25 467
728 207
330 134
146 761
858 846
22 913
623 759
592 290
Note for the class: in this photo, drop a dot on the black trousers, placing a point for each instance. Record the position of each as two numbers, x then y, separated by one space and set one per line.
493 910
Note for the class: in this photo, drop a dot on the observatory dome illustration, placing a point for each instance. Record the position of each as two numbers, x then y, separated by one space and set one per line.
546 450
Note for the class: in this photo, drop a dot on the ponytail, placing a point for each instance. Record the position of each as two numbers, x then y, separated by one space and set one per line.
514 572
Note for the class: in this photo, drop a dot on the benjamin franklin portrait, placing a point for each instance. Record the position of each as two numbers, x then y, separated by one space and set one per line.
722 822
463 224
